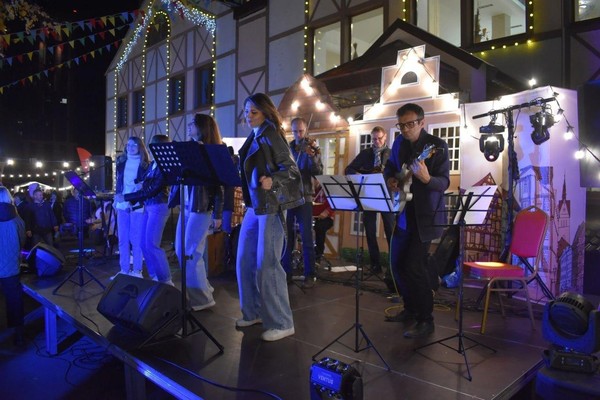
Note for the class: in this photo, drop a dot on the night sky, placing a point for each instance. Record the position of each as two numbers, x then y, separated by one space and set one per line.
34 112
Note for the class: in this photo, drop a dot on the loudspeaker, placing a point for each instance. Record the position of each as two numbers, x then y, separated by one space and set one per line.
332 379
101 174
142 306
47 260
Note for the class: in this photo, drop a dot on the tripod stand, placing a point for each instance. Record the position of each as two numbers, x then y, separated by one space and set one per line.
465 205
84 190
190 163
345 193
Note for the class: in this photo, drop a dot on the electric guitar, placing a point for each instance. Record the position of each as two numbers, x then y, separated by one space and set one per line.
404 177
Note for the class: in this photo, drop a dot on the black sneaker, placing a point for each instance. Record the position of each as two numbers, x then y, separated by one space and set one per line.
402 316
309 282
421 329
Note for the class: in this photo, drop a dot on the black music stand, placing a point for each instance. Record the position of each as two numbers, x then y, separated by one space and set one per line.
353 193
192 163
465 216
84 190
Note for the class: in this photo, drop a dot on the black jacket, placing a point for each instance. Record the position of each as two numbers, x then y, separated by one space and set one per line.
309 166
154 188
363 162
266 153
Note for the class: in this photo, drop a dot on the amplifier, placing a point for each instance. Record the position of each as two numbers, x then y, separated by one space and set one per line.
332 379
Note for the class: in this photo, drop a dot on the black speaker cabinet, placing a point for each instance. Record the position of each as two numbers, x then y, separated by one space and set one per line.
45 259
101 173
142 306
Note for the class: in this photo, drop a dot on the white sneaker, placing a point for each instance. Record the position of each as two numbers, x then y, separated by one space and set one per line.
272 335
204 306
117 274
242 323
137 274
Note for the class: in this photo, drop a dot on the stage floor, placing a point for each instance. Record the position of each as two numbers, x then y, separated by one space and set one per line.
282 368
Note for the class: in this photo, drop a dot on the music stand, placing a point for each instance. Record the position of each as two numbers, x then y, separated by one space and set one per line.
355 193
192 163
467 215
84 190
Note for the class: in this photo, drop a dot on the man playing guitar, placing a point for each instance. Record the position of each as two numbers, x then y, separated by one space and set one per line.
421 220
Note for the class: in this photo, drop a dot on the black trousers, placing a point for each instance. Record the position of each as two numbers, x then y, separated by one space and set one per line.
13 293
322 225
370 224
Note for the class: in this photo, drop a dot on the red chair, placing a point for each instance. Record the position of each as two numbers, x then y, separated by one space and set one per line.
529 231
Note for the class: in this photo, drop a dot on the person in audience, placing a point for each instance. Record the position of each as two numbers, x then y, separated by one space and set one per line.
12 237
72 214
44 223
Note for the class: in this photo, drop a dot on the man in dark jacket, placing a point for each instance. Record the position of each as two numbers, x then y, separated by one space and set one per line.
368 161
72 213
307 155
44 222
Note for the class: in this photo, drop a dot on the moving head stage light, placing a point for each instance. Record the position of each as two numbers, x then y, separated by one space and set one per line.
541 121
491 141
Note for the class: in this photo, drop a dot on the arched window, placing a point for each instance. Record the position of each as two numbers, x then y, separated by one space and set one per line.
409 77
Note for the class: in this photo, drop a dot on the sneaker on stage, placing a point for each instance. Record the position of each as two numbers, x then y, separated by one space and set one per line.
272 335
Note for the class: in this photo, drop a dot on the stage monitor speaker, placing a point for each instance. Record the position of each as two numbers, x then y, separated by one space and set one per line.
101 174
589 132
45 259
332 379
141 305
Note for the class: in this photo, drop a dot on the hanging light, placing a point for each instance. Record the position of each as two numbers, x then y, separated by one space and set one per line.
491 141
541 121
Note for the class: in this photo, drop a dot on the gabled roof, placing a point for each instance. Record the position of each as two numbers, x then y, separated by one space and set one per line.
357 81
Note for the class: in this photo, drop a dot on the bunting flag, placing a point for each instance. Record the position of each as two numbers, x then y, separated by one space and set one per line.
67 28
83 58
71 43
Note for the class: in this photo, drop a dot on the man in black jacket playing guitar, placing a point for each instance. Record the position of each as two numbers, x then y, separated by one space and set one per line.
421 220
368 161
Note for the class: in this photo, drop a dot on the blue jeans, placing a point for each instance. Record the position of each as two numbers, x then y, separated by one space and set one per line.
199 290
409 267
261 279
303 215
153 225
129 227
13 294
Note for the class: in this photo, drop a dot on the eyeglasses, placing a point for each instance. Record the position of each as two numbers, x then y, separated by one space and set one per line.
409 124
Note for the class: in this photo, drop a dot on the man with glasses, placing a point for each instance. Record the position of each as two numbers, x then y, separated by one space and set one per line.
369 161
421 220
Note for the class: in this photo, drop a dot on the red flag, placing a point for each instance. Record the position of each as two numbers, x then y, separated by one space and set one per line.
84 158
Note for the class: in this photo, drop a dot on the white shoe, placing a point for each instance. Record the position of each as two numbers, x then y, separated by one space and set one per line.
242 323
272 335
117 274
137 274
204 306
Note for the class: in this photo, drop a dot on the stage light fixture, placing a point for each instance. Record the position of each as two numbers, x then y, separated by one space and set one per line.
491 141
541 121
571 325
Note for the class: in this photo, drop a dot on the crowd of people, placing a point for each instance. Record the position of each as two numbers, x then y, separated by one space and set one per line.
280 195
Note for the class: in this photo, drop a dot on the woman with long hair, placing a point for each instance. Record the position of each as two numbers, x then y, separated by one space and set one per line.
12 237
203 208
131 167
271 183
154 194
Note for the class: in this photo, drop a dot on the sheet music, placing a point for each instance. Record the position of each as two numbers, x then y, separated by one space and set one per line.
479 206
371 190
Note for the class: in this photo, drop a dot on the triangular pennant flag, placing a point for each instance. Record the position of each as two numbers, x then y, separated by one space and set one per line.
38 75
81 25
76 61
88 25
60 46
112 32
42 36
30 55
93 23
82 40
67 30
30 39
1 89
93 38
84 57
103 20
72 43
30 77
46 72
9 60
20 58
51 50
111 20
93 54
102 34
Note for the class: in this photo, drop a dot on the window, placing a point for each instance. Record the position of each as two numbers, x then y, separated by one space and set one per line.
204 86
491 20
587 9
327 53
365 141
498 19
365 29
176 94
121 111
138 106
451 135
